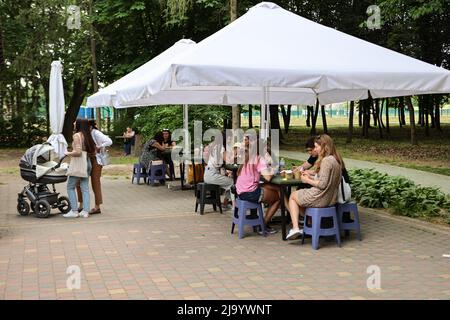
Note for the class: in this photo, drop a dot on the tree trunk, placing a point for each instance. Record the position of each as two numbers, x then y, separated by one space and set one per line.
402 110
2 72
250 116
360 113
377 117
412 121
374 114
365 106
314 118
286 117
387 116
94 66
78 93
309 113
350 122
274 119
437 112
426 113
236 110
324 119
421 121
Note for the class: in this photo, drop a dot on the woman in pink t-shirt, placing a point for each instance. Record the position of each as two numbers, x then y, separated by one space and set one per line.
248 183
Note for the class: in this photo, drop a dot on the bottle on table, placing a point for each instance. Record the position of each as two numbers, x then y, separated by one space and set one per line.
282 164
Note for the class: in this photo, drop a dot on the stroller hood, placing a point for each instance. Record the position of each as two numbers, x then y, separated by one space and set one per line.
40 157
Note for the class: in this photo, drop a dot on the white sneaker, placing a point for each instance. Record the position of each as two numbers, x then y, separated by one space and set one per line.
84 214
71 214
294 234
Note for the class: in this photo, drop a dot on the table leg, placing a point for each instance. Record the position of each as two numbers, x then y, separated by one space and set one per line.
283 214
182 168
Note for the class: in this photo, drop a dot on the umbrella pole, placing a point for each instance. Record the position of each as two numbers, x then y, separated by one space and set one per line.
186 133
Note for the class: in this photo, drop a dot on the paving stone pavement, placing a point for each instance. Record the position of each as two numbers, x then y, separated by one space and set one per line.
149 244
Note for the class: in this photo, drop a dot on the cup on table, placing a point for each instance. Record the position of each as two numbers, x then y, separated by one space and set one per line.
289 175
283 173
297 175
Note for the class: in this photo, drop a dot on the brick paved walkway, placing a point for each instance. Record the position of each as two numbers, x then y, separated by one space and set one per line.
149 244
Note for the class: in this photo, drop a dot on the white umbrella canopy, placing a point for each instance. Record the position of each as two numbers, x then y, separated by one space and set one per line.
147 85
57 109
273 48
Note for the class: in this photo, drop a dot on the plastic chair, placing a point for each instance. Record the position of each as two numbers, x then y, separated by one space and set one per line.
344 222
316 230
138 173
241 219
156 172
206 193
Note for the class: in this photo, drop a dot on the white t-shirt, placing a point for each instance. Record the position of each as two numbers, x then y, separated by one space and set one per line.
101 140
215 159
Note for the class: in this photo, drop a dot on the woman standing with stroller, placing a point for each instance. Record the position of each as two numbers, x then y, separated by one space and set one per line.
101 142
82 141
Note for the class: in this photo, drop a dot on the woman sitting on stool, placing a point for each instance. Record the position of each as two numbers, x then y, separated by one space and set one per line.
324 189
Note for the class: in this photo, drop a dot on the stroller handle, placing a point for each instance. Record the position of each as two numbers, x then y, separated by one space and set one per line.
60 161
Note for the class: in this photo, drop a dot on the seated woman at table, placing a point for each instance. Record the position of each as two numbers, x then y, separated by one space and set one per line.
215 157
323 192
247 184
152 150
168 143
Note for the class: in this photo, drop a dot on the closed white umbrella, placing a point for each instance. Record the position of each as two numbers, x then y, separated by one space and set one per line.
57 109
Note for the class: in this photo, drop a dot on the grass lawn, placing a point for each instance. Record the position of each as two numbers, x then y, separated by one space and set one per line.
432 154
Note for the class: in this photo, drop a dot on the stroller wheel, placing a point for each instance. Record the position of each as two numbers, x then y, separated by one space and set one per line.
42 209
23 208
63 204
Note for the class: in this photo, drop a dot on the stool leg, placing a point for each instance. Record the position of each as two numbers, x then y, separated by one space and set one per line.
261 220
235 210
219 204
315 236
138 175
356 218
241 213
337 230
202 199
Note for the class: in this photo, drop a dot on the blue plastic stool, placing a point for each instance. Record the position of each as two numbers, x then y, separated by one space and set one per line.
156 172
138 173
241 219
315 231
350 207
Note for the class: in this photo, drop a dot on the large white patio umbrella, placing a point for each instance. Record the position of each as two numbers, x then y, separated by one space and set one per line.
57 109
269 47
270 52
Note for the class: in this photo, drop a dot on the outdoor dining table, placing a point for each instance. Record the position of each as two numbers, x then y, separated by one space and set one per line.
285 186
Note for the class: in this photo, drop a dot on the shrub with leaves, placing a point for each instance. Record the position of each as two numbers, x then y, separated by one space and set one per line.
378 190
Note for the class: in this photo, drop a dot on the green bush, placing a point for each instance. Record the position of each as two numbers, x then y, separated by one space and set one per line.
378 190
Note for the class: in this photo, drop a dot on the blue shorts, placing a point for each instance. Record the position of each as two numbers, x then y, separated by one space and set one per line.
254 196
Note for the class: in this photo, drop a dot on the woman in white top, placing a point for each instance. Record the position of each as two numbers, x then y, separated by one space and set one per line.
101 141
215 156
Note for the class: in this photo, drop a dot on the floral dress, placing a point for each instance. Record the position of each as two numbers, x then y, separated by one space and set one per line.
149 153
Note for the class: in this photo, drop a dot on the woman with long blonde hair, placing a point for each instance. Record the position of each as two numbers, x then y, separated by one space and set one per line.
324 190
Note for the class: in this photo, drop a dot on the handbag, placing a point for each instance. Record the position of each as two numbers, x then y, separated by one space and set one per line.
344 191
78 166
103 157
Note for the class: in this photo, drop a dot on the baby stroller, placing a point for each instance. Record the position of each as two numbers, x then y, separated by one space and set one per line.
37 166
